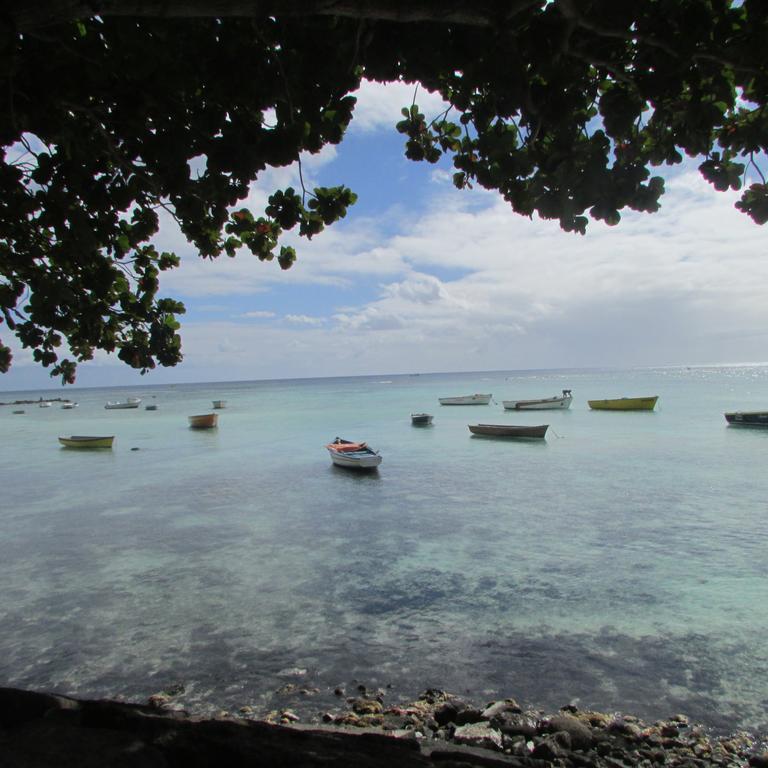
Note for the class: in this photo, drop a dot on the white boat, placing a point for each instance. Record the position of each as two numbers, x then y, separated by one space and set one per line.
68 406
545 404
44 404
131 402
219 403
465 400
345 453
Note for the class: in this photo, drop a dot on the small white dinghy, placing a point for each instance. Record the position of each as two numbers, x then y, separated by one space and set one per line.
118 405
544 404
475 399
345 453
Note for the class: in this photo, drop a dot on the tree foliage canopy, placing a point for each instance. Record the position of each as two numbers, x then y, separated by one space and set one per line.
564 107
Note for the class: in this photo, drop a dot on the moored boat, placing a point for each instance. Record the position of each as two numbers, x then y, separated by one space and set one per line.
219 403
44 404
345 453
203 421
421 419
87 441
150 407
624 404
131 402
509 430
544 404
747 418
465 400
68 406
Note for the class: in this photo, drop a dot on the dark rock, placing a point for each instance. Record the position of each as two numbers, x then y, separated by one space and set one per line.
478 735
615 762
500 707
434 696
549 749
468 716
580 734
759 761
45 745
447 711
625 727
582 761
604 748
367 707
517 725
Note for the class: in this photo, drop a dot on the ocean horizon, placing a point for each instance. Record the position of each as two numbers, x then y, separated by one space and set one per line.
618 565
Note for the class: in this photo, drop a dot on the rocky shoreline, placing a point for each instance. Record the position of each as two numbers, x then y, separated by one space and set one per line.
38 729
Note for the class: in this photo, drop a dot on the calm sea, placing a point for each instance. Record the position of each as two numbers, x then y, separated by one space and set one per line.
619 565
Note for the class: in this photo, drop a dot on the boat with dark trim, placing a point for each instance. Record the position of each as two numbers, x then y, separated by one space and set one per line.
545 404
747 418
537 431
421 419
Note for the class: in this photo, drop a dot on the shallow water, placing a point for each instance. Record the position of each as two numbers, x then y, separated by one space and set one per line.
619 565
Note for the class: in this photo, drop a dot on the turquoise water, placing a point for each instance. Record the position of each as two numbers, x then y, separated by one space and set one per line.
620 565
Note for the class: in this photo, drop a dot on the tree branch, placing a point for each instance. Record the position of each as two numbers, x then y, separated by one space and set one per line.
480 13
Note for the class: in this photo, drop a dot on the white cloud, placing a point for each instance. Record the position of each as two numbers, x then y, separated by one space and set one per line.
305 320
258 313
379 104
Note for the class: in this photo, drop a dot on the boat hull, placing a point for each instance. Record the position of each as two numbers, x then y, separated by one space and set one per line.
465 400
370 461
624 404
421 419
203 421
536 432
87 441
120 406
218 404
350 455
546 404
747 418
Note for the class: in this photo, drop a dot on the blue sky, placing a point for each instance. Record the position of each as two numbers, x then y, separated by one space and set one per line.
423 277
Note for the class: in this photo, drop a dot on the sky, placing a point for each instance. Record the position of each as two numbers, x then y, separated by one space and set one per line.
421 277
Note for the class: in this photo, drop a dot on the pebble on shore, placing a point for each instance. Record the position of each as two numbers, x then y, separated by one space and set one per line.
570 738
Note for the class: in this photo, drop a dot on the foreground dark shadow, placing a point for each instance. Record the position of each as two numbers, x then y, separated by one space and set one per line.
41 730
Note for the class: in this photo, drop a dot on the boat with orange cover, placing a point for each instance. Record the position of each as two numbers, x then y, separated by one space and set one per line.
345 453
